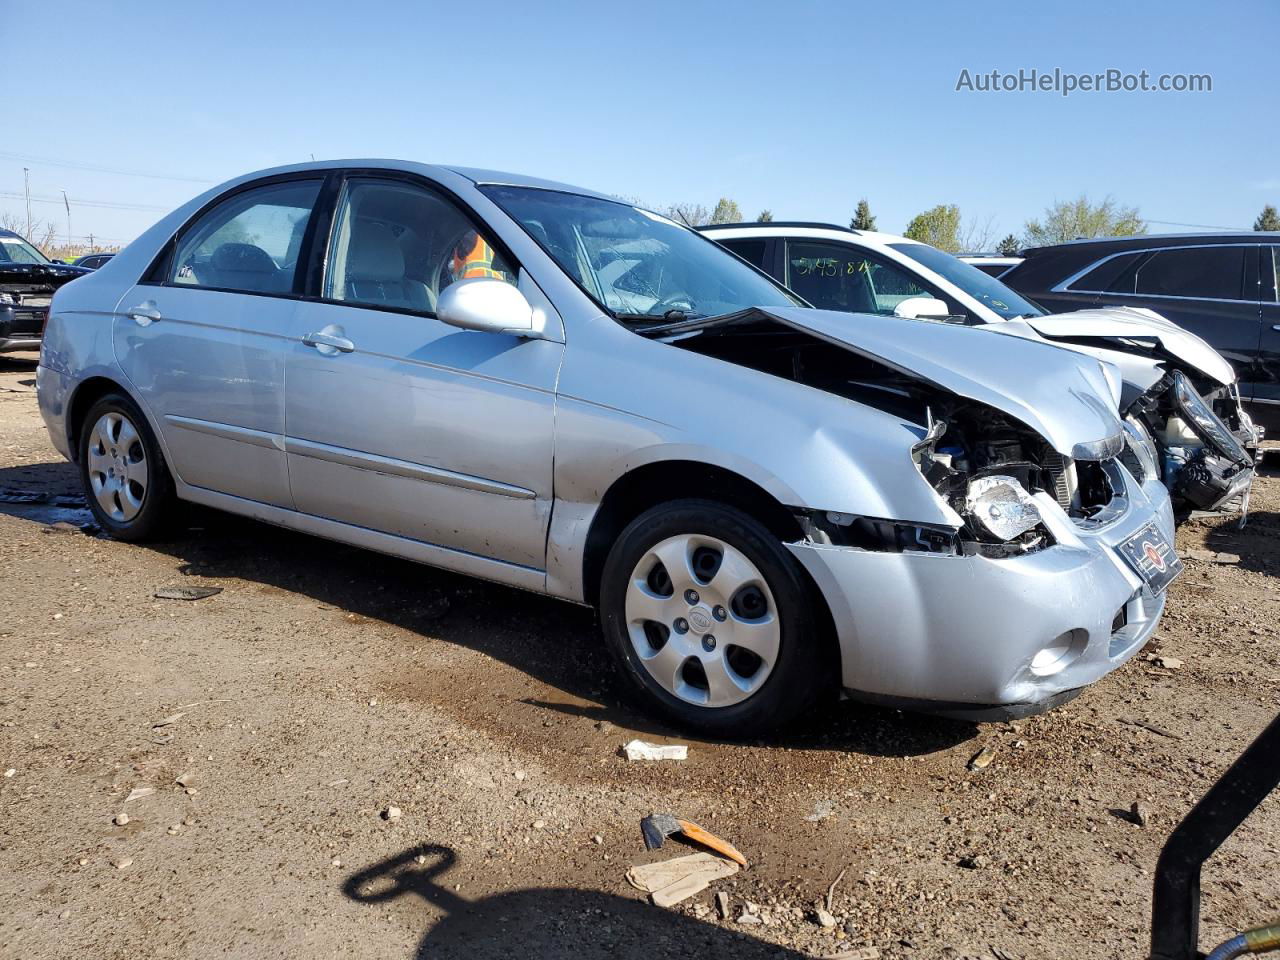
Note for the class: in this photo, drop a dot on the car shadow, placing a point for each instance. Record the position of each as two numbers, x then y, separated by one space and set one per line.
555 923
555 642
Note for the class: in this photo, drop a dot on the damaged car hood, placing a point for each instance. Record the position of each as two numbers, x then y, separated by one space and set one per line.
1065 396
1135 323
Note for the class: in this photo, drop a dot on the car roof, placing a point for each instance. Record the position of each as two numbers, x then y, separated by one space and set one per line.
803 228
1162 239
10 233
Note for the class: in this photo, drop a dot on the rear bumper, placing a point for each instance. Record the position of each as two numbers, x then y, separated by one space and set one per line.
52 395
989 637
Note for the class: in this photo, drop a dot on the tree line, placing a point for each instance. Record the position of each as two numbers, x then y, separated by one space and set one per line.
943 227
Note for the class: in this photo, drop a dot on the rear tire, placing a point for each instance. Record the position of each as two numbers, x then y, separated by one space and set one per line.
711 620
125 479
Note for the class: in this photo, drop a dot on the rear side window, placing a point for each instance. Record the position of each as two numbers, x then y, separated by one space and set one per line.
1106 275
751 251
1215 273
249 242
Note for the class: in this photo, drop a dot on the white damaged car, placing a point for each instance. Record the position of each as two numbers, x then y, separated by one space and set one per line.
1180 397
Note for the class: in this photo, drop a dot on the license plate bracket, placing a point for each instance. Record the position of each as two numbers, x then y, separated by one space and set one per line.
1152 557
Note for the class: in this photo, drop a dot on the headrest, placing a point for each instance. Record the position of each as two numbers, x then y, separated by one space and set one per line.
242 257
375 254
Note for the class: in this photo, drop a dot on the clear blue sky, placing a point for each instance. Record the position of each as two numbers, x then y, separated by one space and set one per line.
798 107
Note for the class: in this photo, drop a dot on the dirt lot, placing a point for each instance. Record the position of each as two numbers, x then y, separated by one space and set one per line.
324 684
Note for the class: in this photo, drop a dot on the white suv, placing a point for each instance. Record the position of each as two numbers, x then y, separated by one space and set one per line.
1179 394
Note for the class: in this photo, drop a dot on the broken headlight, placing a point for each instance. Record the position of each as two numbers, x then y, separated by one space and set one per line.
1002 507
1140 455
1204 421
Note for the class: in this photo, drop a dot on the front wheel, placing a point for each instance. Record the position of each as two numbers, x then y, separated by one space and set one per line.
710 620
126 482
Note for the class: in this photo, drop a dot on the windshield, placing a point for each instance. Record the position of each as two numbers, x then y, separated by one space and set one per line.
635 263
17 250
984 288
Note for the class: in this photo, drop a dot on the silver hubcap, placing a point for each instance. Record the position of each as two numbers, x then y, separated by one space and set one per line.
117 464
702 620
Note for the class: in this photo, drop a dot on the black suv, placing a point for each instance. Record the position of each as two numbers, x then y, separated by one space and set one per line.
27 281
1222 287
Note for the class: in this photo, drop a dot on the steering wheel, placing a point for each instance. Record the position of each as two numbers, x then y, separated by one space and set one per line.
673 301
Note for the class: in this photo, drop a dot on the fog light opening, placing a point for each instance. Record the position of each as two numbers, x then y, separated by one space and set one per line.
1060 654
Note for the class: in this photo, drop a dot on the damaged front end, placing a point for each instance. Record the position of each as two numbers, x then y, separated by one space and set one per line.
1206 462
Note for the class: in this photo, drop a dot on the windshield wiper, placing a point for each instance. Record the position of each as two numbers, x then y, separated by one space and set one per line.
671 316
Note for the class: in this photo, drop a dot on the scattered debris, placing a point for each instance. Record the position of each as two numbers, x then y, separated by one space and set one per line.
831 890
10 773
123 863
339 782
982 759
335 862
186 593
174 830
722 905
1168 663
64 914
187 779
822 810
858 953
973 861
640 750
1139 813
597 840
520 774
1153 728
658 826
1212 556
120 819
671 881
823 918
604 726
392 813
748 918
137 793
173 718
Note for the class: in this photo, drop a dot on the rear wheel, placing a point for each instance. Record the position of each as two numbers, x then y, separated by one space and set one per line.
710 620
126 482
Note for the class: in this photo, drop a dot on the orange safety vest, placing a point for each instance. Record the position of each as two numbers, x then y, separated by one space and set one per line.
474 262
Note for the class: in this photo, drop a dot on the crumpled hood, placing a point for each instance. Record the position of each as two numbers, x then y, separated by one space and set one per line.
1063 395
1138 323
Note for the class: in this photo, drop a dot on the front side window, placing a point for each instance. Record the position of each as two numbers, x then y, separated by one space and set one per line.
17 250
636 264
997 297
399 245
836 276
1211 273
250 242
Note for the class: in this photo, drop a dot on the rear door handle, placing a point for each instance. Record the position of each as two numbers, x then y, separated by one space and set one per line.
144 314
328 343
1276 327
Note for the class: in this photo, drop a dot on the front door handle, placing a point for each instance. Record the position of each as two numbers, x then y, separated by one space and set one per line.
328 343
144 314
1276 327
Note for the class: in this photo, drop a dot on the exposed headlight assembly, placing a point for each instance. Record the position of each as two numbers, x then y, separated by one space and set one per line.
1140 456
1002 507
1204 421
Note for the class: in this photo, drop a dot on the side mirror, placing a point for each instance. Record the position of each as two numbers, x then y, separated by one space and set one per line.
922 308
489 305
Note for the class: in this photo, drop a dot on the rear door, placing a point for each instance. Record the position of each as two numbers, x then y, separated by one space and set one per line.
1201 289
1266 384
203 338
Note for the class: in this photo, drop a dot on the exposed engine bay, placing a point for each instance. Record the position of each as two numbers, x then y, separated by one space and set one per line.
984 463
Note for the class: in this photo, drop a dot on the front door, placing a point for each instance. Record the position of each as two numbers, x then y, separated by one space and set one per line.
204 342
399 423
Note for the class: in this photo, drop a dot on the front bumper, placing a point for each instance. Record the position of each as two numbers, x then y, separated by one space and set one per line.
21 328
987 637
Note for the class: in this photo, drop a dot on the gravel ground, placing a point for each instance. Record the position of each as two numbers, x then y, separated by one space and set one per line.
324 685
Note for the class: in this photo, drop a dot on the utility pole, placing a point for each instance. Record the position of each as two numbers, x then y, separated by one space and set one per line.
67 204
92 247
26 189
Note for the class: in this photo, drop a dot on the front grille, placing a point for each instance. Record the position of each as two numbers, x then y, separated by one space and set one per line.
29 323
1055 464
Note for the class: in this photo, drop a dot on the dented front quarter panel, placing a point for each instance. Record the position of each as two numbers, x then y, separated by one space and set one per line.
805 447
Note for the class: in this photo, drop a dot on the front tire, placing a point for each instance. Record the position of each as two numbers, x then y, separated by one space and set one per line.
710 620
126 481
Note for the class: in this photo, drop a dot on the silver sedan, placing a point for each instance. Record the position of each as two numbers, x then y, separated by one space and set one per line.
546 387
